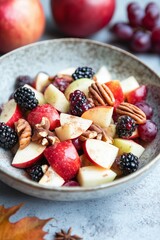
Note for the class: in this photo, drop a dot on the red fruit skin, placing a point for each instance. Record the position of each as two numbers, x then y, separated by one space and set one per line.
137 95
117 91
45 110
64 159
21 23
16 116
81 18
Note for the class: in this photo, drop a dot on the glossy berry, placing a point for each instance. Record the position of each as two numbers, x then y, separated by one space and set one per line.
141 41
8 136
62 82
128 163
135 14
123 31
79 103
152 13
77 143
125 126
71 183
148 131
22 80
156 40
146 108
35 172
83 72
25 98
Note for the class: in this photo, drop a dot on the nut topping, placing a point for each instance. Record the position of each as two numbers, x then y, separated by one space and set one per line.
24 131
131 110
101 94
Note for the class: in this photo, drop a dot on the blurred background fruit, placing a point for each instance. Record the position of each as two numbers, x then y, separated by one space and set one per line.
81 18
21 22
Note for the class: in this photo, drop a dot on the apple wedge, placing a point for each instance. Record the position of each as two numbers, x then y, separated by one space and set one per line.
80 84
28 156
10 113
129 84
41 81
100 153
56 98
101 115
51 179
38 95
103 75
71 126
92 176
128 146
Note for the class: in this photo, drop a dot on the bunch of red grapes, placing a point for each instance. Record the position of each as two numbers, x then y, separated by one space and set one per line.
142 31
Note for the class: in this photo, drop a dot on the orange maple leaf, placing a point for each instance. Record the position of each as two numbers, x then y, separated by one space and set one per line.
28 228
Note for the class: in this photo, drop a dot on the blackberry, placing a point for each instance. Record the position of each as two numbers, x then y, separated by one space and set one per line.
25 98
128 163
83 72
8 136
35 172
22 80
79 103
125 126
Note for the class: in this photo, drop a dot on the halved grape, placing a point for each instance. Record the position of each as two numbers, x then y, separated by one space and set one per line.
148 131
146 108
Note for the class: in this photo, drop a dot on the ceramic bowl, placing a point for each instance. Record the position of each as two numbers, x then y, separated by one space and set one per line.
52 56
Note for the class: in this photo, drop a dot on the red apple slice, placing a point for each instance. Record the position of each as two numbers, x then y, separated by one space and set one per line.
28 156
100 153
117 91
10 113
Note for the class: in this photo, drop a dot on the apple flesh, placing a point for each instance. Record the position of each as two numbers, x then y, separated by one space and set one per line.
101 115
137 95
39 96
82 18
56 98
129 84
51 179
103 75
10 113
81 84
128 146
117 91
28 156
100 153
41 81
92 176
21 23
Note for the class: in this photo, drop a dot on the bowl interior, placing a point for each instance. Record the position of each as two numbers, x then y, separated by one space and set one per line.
55 55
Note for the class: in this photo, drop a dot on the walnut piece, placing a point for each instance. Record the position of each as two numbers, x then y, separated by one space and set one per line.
131 110
42 134
101 94
24 132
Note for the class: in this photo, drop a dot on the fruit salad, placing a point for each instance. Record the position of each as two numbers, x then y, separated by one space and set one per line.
77 128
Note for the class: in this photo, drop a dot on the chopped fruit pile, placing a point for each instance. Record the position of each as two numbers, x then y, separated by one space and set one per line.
78 128
142 31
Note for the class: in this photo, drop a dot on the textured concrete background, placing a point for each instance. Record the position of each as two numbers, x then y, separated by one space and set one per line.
129 215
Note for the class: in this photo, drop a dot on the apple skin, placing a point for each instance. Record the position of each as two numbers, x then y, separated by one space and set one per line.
81 18
21 23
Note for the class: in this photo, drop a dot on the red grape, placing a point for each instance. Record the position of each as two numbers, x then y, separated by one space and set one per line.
132 6
71 183
123 31
77 143
148 131
141 41
146 108
156 39
135 14
151 16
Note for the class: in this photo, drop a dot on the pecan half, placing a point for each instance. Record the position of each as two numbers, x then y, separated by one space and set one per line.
24 131
131 110
101 94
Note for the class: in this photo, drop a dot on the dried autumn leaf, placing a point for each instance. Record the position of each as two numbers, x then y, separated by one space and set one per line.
28 228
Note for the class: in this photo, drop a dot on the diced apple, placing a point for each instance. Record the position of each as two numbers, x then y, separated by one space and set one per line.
129 84
100 153
38 95
101 115
128 146
92 176
56 98
10 113
111 130
41 81
67 71
71 126
117 91
137 95
28 156
103 75
51 179
81 84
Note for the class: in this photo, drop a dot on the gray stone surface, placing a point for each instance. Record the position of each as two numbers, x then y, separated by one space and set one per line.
131 214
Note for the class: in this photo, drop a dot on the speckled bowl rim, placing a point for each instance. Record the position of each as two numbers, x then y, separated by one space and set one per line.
116 182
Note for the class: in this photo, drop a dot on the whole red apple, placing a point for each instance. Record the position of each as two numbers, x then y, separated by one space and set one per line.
21 22
81 18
